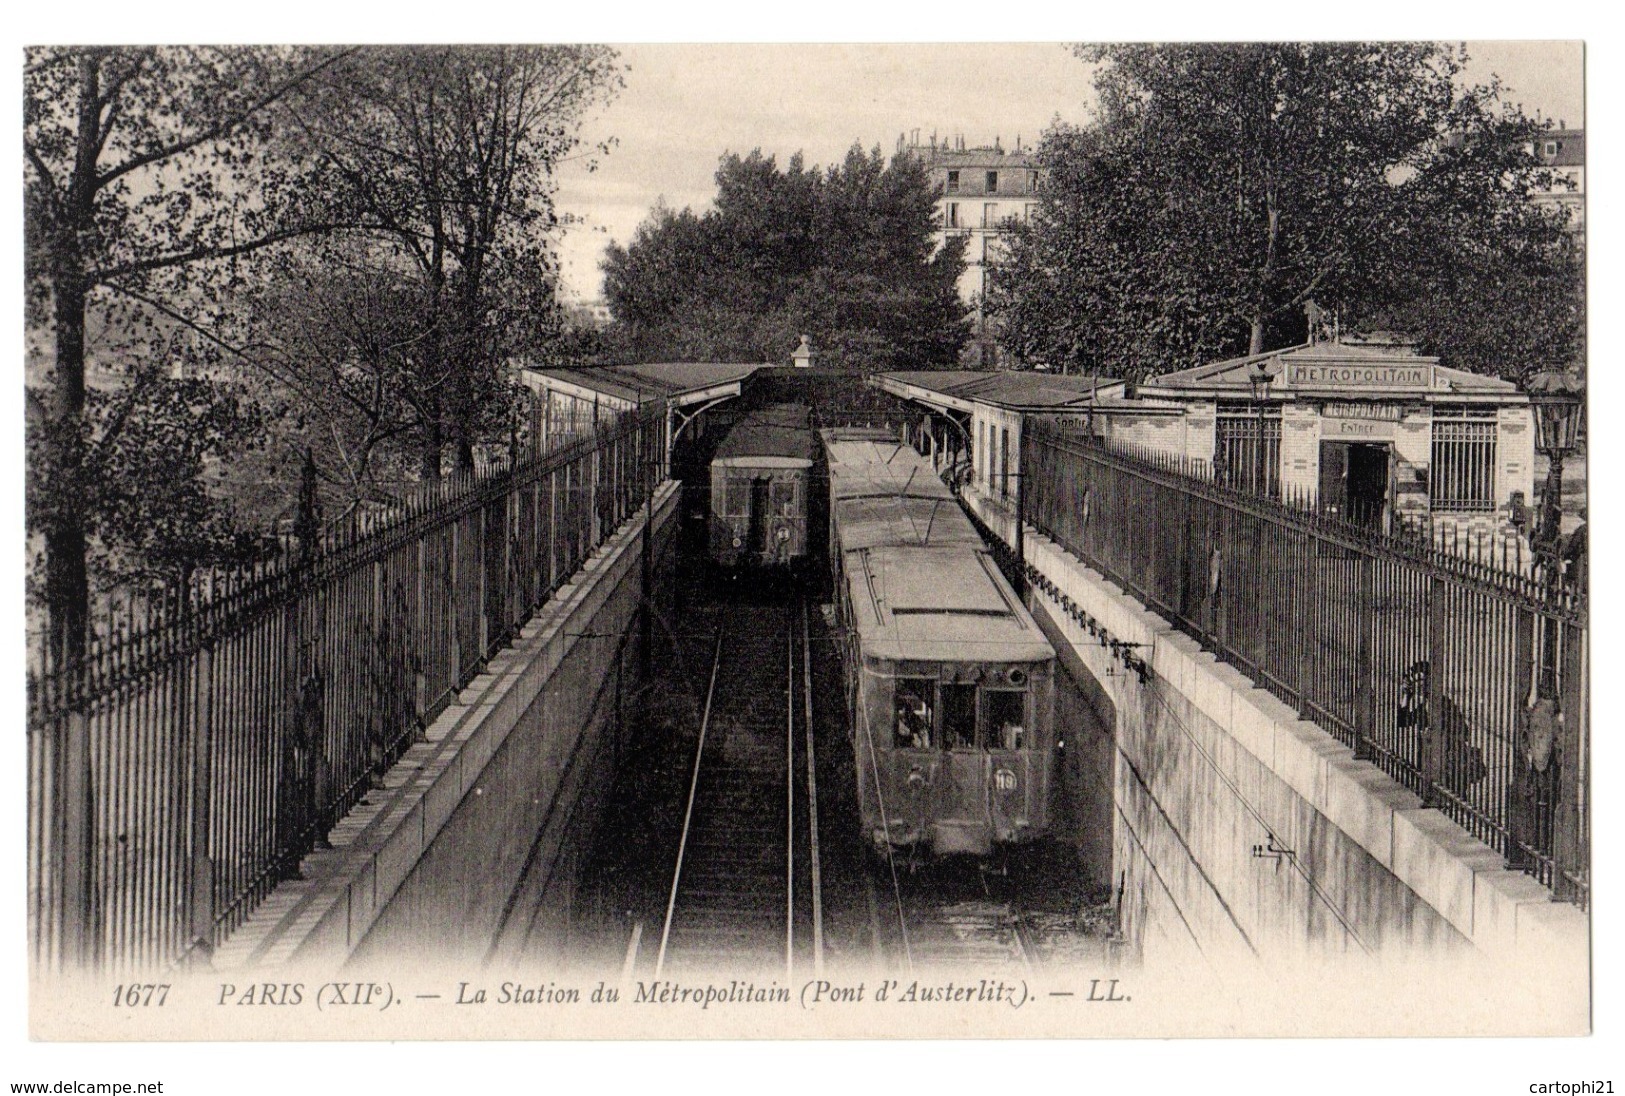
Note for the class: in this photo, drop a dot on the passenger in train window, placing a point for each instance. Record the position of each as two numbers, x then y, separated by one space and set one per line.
913 712
959 716
1005 719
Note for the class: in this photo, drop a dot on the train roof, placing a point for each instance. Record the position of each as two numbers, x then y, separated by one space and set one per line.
939 605
883 493
923 585
898 521
781 431
866 461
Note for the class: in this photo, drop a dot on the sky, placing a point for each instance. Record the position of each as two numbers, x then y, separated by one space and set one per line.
685 105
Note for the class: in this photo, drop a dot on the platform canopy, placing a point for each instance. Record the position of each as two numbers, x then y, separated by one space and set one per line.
1029 392
622 387
959 388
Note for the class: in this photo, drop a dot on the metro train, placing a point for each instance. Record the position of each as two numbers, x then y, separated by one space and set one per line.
760 480
950 683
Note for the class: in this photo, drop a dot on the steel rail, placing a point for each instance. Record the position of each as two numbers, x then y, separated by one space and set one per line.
812 798
885 822
790 801
688 811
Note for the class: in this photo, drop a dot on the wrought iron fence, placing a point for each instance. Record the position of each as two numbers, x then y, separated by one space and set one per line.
185 766
1463 680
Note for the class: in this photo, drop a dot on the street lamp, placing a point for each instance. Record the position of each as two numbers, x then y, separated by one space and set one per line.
1558 400
1261 379
1549 784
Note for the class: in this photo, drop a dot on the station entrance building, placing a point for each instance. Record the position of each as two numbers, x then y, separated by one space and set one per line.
1366 431
1369 432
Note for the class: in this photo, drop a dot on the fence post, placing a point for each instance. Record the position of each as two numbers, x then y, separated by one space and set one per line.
1523 827
595 534
454 582
79 945
1433 724
1568 846
200 892
1021 534
1364 682
646 470
1306 613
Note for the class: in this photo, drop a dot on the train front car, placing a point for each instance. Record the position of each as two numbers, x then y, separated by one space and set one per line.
950 682
759 486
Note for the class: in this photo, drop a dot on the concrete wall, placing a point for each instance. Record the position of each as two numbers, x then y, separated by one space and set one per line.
1209 769
1300 449
428 864
1163 433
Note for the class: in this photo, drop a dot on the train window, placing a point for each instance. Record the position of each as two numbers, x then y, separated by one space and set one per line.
959 716
914 702
1006 719
784 497
738 501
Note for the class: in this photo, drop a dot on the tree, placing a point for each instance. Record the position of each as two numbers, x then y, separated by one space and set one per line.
847 254
1225 186
149 174
445 157
339 344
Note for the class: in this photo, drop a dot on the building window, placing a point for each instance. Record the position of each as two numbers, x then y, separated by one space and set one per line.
990 216
1032 182
993 182
1463 474
1247 448
951 216
953 182
1004 461
1551 148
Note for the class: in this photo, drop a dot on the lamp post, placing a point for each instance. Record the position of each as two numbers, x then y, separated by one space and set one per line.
1261 379
1559 406
1547 793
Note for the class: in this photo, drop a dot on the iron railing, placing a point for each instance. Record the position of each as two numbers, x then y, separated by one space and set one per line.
1463 680
185 765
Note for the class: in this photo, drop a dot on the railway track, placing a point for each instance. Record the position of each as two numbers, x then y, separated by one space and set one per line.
952 918
937 922
745 883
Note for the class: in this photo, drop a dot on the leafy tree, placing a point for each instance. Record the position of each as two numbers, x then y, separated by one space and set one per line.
847 254
339 345
1225 186
444 156
149 175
